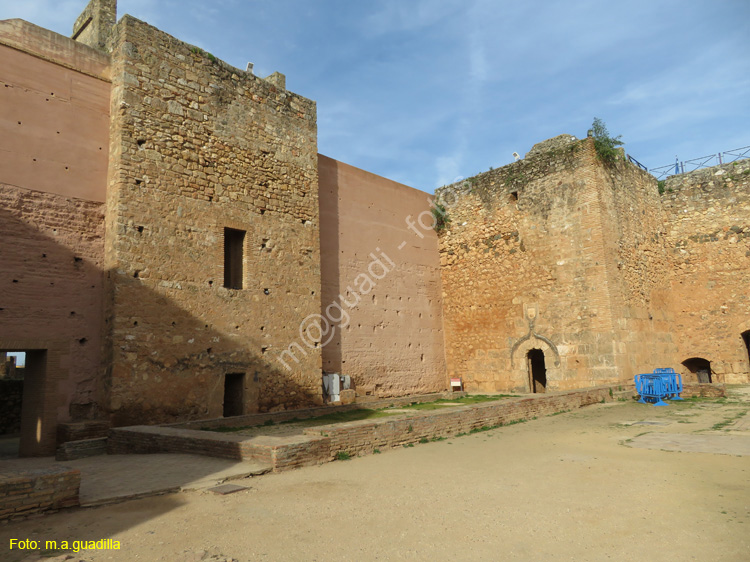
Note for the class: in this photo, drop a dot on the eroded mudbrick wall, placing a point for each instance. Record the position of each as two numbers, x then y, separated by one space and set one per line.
381 283
53 160
708 237
54 113
533 258
198 147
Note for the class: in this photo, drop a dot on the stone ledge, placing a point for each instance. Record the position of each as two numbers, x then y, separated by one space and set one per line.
83 448
25 491
322 444
250 420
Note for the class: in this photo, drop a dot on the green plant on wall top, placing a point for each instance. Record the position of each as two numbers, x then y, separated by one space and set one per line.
606 146
441 218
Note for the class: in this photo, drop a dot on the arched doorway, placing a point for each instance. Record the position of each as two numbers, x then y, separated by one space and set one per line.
537 370
700 368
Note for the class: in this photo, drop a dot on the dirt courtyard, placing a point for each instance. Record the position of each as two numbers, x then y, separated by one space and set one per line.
574 486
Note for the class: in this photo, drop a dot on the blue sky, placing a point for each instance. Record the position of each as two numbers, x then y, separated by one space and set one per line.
428 91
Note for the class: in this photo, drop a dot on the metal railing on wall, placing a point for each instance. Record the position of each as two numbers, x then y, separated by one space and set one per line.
703 162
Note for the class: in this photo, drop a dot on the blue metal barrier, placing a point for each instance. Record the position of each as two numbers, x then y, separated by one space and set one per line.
661 384
673 382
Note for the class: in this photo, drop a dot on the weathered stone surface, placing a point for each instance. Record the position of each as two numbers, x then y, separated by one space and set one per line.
556 252
708 239
123 168
230 151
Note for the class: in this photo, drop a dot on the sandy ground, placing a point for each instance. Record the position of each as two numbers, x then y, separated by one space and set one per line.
566 487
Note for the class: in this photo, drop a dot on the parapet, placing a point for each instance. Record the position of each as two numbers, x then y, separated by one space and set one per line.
94 26
48 45
550 144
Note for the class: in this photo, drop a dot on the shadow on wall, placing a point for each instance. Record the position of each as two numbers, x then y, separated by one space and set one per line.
330 253
51 294
168 365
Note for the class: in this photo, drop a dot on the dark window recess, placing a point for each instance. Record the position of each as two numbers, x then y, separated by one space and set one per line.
233 391
700 367
746 339
234 241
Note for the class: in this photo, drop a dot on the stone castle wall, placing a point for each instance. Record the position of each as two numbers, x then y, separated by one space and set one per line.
708 237
123 166
381 283
197 146
638 267
528 264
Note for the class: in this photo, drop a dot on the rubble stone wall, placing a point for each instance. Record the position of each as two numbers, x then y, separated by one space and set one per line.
198 146
708 238
532 259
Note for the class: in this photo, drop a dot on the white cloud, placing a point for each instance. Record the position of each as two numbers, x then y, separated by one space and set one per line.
393 16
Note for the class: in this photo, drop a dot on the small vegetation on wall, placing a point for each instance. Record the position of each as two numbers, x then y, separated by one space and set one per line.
200 52
606 146
441 218
661 184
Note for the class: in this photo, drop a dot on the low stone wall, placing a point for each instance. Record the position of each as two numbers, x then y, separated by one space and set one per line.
250 420
280 453
79 431
703 390
11 396
25 492
73 450
362 437
322 444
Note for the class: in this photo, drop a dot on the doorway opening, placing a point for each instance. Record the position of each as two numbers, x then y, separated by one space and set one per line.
746 339
700 368
537 371
12 374
234 384
27 427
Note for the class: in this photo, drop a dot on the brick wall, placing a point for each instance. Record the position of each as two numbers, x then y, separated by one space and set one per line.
322 443
73 450
26 492
51 307
362 437
198 146
690 390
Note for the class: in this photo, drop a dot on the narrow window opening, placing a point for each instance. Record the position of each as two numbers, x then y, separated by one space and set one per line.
746 339
234 241
234 384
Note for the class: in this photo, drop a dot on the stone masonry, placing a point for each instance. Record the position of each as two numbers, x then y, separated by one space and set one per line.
583 261
708 238
170 237
197 147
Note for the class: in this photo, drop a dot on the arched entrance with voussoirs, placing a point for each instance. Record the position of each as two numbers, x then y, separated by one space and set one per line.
535 358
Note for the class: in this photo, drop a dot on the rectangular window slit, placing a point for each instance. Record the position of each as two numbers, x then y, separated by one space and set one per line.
234 242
